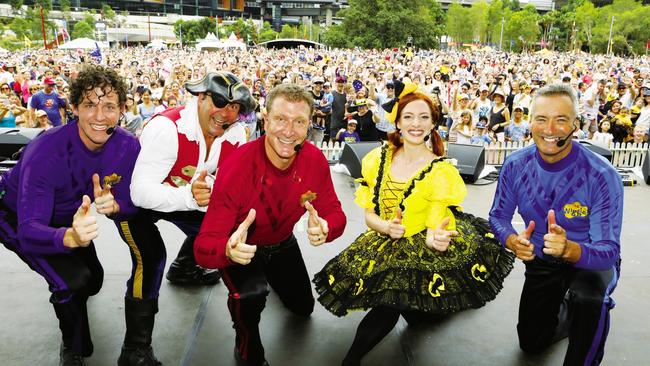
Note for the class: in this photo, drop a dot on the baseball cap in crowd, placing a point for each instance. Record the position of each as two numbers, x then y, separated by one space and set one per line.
360 102
645 90
317 80
483 88
352 122
390 84
340 79
40 113
327 84
519 108
481 125
463 96
49 81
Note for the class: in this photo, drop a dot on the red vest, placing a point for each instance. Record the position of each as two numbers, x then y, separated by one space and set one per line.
187 156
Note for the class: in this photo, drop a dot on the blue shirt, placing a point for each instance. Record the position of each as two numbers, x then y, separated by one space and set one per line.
50 103
46 186
585 191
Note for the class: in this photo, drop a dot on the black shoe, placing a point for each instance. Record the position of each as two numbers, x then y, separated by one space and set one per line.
241 362
192 275
69 358
137 357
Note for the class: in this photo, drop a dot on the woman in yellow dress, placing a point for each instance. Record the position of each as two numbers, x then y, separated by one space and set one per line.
421 254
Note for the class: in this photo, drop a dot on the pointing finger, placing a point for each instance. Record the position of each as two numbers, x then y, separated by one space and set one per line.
444 223
551 219
85 205
202 175
97 188
529 230
398 214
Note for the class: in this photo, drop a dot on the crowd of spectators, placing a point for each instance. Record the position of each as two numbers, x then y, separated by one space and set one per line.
484 97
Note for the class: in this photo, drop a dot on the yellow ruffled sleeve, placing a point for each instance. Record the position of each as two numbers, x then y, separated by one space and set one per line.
369 170
447 189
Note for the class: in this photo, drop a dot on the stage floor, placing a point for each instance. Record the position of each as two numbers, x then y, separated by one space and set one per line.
193 326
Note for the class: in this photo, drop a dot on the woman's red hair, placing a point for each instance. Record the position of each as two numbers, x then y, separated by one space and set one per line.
394 137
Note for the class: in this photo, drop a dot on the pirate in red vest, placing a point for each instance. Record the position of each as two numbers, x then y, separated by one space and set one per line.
182 149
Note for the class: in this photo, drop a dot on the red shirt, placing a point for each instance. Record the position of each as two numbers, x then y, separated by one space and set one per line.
274 194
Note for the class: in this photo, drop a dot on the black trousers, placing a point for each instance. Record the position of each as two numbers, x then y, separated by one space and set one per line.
71 278
147 248
559 300
282 267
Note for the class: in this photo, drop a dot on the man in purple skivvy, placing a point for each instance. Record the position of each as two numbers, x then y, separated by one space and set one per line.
45 213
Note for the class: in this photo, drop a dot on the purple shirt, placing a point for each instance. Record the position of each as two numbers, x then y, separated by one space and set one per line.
46 186
584 190
50 103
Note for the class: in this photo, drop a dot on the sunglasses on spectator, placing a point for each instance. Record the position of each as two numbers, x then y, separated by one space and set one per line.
4 88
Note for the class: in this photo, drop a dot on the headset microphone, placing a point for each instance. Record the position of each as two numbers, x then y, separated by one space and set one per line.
225 126
563 141
298 147
110 130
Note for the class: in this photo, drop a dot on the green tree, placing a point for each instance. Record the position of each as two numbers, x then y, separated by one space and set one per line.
108 13
457 19
16 5
266 33
478 16
335 36
82 29
287 31
522 27
243 30
46 4
390 23
65 9
21 27
190 31
585 21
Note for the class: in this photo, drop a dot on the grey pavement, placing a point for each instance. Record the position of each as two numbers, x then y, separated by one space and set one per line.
193 326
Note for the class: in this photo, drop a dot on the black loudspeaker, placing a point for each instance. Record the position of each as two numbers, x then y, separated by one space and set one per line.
597 148
353 154
471 160
646 168
13 139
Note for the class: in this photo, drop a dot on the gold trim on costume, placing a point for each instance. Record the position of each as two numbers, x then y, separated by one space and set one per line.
137 277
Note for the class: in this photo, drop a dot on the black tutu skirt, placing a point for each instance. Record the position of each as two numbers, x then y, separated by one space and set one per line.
405 274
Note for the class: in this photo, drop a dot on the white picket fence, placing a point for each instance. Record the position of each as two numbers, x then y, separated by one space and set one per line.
624 155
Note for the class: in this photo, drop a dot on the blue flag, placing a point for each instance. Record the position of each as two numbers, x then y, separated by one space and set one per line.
96 54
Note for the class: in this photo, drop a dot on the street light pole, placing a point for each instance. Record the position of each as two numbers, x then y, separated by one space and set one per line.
503 21
609 43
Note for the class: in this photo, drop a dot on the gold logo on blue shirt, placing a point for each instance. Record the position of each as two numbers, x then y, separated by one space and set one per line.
575 209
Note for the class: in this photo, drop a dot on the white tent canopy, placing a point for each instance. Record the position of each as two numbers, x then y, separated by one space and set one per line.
212 42
83 43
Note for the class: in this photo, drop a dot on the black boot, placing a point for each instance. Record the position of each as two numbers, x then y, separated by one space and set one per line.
67 357
75 332
136 350
185 272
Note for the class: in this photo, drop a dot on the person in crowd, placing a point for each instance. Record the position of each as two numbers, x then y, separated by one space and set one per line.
247 231
132 121
48 100
147 108
46 217
317 130
337 120
464 128
499 116
572 203
42 120
182 148
349 135
518 130
11 111
366 119
603 135
410 194
481 135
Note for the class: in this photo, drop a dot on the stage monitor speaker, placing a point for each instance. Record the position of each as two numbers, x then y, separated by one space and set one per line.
471 160
597 148
13 139
353 154
646 168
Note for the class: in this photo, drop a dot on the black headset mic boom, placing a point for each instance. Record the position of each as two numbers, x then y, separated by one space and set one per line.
563 141
298 147
110 130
